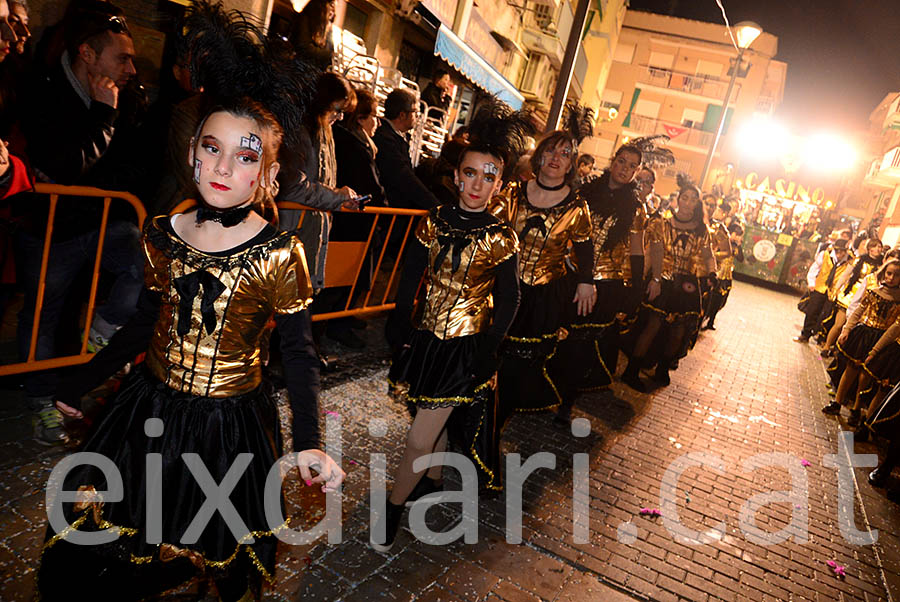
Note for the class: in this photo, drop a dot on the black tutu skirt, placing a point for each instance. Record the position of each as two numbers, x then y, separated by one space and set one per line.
523 382
217 430
436 373
886 421
586 358
679 299
859 343
885 366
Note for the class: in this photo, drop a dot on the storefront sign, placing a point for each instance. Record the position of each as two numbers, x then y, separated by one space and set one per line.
785 189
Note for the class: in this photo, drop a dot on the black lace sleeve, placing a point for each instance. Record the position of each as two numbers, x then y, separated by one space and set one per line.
130 341
301 372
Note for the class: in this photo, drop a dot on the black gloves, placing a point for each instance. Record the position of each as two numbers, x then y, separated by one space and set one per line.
485 362
398 329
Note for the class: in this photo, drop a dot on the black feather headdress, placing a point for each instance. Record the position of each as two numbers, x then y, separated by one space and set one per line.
652 154
231 58
685 181
497 129
579 121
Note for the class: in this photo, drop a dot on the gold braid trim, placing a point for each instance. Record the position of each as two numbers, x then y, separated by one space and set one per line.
490 473
670 316
592 325
549 380
883 382
169 552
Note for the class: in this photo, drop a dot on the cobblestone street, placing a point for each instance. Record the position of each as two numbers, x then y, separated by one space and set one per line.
746 389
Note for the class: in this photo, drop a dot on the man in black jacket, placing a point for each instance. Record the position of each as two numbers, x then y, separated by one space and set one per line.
79 125
401 185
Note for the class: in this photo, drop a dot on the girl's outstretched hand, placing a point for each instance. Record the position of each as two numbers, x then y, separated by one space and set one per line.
329 472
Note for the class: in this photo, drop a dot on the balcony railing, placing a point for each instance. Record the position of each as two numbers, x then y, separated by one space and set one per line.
682 134
702 85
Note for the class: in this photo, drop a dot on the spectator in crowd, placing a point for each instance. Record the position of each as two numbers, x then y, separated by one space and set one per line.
436 94
18 20
401 185
79 124
311 33
314 163
646 180
821 275
583 169
355 154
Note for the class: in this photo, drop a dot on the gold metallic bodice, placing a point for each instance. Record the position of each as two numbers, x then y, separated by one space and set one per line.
544 234
877 311
614 264
838 273
215 309
460 274
682 249
721 246
843 298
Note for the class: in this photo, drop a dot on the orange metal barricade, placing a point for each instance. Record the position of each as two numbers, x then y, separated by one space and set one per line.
54 191
345 259
343 265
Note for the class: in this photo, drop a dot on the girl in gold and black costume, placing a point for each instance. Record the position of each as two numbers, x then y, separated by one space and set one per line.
878 310
674 296
847 283
444 366
196 411
724 270
549 216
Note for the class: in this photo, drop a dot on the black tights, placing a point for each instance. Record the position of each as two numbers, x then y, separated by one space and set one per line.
673 342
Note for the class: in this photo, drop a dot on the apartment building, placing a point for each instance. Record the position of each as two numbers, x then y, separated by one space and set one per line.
877 200
670 76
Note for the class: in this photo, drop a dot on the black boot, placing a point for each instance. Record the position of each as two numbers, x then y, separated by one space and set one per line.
879 476
391 522
563 416
855 418
833 409
861 434
631 377
425 486
662 373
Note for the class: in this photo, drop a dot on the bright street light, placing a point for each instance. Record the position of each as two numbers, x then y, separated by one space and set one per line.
746 32
762 137
829 152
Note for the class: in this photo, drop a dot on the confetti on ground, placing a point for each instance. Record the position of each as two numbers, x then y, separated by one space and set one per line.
353 462
330 413
805 462
839 570
650 512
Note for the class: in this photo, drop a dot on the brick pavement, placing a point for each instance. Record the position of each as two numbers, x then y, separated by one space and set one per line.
745 389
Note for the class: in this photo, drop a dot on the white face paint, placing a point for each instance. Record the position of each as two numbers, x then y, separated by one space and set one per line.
491 168
197 165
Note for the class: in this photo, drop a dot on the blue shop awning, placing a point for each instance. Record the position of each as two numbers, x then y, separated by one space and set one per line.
456 52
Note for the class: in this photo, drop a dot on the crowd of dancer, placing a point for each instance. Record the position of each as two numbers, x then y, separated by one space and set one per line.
853 311
531 281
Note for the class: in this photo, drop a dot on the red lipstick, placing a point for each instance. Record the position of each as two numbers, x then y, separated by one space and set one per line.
220 187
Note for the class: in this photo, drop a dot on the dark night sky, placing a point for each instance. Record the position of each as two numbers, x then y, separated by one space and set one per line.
843 56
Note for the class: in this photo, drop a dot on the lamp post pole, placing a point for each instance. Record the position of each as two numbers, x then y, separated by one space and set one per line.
568 65
722 115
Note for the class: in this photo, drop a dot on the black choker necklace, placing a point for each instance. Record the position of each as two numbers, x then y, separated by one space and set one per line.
550 188
227 217
683 221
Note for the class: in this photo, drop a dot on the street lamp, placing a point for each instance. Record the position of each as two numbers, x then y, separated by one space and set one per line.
746 32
